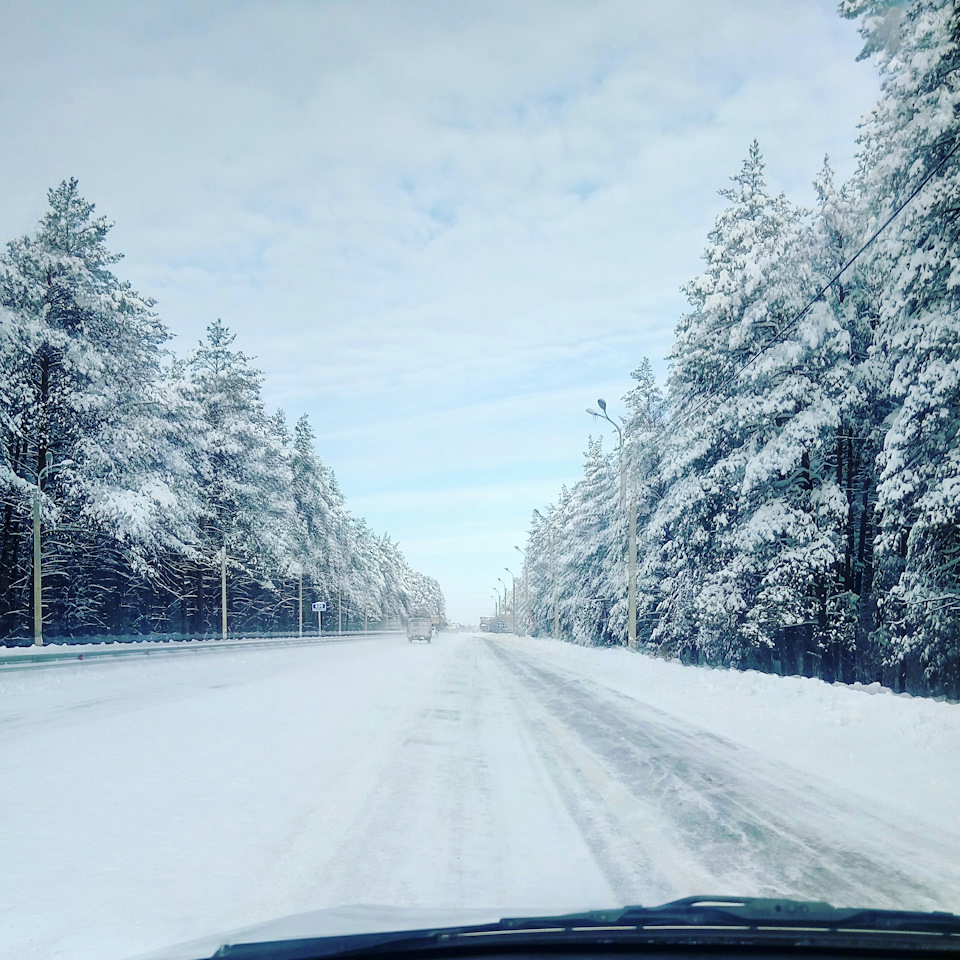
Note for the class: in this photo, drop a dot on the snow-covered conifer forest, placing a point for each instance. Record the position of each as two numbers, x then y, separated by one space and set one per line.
797 483
161 465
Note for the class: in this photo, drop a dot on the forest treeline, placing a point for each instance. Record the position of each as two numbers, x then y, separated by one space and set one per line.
797 482
163 468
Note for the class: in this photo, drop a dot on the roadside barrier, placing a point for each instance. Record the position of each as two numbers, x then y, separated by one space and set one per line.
59 654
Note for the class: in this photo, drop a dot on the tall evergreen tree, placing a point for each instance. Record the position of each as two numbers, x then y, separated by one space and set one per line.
644 443
591 557
244 478
740 392
81 356
914 127
319 507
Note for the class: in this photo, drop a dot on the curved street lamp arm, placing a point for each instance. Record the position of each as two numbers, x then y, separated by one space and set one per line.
606 416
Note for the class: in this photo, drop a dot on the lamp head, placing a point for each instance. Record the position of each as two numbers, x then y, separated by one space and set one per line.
602 404
592 412
49 459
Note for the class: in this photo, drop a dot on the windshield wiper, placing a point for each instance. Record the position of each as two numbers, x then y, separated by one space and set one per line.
691 921
758 913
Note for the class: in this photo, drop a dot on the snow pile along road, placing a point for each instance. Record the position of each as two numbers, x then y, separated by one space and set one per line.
148 802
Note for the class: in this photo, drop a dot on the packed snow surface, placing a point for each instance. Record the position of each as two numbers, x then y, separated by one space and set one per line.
152 801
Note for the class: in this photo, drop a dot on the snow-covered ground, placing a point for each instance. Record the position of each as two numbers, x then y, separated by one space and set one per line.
147 802
891 748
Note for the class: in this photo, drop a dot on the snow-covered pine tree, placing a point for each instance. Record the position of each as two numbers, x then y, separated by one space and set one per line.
81 360
643 433
366 556
848 611
397 578
592 568
913 128
748 528
245 480
563 559
426 599
319 507
168 593
542 569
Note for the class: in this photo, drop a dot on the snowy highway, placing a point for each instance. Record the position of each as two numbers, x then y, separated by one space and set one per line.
148 803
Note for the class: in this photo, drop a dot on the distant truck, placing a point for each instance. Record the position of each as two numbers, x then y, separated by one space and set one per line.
419 628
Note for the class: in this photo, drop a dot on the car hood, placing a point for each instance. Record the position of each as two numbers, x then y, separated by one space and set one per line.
336 922
751 920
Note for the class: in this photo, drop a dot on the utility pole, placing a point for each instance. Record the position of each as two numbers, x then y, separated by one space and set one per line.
527 625
343 554
632 574
37 570
629 507
526 592
300 604
37 575
223 589
513 581
556 599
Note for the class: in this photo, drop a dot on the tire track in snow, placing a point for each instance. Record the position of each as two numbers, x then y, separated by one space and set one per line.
460 811
670 811
328 848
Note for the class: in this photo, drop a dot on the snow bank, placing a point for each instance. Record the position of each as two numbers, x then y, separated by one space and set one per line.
892 749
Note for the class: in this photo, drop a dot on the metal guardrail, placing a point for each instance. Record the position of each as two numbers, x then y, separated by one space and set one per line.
69 654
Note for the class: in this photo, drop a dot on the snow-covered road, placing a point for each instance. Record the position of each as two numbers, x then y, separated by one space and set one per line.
146 803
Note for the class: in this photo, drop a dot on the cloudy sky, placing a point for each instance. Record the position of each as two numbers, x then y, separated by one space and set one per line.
442 227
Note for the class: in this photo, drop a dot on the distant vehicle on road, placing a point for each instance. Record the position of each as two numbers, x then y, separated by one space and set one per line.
419 628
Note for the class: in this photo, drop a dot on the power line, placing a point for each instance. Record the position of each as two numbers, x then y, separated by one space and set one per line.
781 334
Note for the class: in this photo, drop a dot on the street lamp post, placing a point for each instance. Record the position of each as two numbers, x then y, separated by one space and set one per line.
631 510
502 584
37 572
513 598
556 588
526 589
